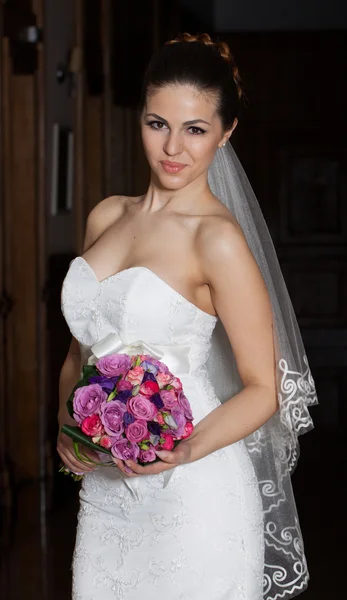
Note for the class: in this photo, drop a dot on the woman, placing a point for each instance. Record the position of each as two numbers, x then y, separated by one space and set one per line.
214 519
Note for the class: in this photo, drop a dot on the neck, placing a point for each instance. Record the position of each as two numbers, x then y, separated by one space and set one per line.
184 200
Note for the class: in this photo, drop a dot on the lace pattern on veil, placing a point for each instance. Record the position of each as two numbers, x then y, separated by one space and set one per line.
274 448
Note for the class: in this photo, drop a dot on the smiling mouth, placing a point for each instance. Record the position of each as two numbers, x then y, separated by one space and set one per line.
172 167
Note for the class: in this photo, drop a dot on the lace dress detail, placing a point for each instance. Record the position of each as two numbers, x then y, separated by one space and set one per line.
198 535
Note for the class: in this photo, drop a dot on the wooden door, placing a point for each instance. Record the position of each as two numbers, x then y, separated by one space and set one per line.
22 268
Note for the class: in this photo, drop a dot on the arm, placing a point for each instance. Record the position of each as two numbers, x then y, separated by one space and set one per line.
241 301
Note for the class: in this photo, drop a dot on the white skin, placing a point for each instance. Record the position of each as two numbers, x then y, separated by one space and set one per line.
184 234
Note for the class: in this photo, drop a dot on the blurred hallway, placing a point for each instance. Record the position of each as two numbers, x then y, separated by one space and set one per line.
70 75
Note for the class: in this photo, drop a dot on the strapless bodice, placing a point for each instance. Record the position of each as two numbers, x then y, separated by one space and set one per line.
136 304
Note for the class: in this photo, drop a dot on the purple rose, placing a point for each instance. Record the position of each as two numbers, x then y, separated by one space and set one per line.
147 455
87 401
125 450
137 431
114 364
169 398
142 408
107 383
178 416
123 385
156 399
112 414
184 404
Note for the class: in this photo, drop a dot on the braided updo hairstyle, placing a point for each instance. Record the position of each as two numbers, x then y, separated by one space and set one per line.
197 61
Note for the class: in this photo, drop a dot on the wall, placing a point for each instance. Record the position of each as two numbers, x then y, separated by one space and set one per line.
59 39
268 15
272 15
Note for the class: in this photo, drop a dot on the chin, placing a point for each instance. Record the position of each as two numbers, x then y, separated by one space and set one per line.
171 182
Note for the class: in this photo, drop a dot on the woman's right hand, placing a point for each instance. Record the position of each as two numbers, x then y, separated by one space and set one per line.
67 454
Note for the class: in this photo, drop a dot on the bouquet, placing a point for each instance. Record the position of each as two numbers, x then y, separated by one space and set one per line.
128 407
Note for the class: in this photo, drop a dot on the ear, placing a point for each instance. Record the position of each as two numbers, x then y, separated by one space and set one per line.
228 134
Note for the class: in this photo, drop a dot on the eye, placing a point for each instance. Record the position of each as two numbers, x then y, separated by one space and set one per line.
156 124
196 130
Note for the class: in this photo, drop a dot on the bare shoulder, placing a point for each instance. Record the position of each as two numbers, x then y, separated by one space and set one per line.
104 215
220 240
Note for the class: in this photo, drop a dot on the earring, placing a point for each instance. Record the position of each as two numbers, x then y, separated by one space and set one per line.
224 144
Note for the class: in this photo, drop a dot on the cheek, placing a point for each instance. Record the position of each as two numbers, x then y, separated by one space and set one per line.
150 141
203 150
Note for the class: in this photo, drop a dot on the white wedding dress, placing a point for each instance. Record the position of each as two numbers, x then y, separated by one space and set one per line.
195 532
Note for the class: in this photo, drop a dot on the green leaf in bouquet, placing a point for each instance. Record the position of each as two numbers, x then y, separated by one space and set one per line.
78 436
135 390
111 396
138 361
89 371
143 446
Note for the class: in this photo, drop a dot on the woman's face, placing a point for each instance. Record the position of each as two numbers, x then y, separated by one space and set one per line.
181 132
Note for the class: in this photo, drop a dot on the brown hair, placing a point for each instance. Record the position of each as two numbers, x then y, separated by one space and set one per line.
198 61
223 49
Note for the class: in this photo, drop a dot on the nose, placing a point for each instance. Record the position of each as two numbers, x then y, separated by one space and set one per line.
173 144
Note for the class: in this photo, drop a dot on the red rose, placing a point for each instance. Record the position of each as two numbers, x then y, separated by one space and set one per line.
92 426
169 443
149 388
188 428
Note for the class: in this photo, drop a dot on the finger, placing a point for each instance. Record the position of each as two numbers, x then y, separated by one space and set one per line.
151 468
123 467
91 453
73 460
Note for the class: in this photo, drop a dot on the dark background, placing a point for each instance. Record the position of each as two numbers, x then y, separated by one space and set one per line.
78 64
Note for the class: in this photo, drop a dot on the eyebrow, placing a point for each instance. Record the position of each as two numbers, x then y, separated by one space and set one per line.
193 122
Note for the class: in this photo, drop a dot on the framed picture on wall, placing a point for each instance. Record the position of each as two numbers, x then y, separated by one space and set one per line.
313 195
62 170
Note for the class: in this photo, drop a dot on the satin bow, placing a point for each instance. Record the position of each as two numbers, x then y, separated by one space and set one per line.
114 345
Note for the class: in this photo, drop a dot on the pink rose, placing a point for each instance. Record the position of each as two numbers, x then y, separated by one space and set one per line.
124 385
125 450
147 455
163 379
169 442
178 415
176 383
187 430
169 398
92 425
135 375
106 442
160 419
149 388
114 364
142 408
137 431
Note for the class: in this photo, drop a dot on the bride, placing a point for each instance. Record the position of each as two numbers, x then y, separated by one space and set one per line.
190 265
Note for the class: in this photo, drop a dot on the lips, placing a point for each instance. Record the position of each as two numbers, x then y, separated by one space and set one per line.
172 167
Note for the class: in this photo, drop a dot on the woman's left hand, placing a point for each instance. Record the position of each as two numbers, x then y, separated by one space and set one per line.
168 460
